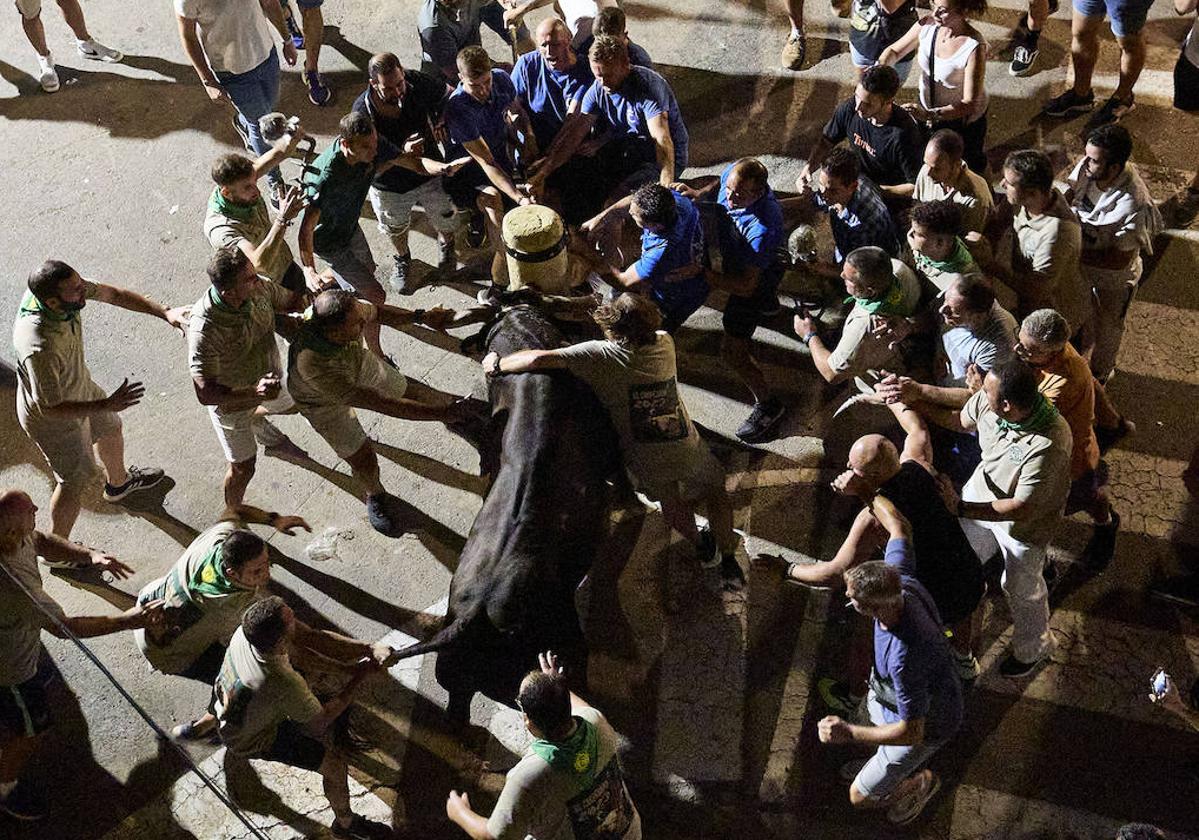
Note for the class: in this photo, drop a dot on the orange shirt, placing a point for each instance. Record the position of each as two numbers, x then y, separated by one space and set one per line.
1068 384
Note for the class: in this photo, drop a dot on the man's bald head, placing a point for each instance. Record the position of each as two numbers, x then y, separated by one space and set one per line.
17 512
552 26
553 42
874 458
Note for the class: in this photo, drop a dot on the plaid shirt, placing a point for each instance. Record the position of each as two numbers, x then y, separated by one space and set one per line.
865 220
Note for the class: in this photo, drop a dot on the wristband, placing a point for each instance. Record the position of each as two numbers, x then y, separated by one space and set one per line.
417 315
807 339
495 366
272 518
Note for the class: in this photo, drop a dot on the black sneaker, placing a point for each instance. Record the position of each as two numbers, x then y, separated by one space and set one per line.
1112 111
360 828
1023 59
24 803
447 256
706 552
476 229
763 420
1068 104
140 478
386 516
399 273
1013 668
1102 546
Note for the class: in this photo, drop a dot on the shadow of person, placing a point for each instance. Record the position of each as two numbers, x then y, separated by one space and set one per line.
432 469
353 53
247 791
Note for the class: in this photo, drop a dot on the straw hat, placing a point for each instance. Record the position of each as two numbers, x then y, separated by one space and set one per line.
535 241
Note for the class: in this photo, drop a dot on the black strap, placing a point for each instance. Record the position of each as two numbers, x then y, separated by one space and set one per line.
932 68
539 256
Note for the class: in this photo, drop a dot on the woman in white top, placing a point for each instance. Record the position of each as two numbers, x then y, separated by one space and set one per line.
953 63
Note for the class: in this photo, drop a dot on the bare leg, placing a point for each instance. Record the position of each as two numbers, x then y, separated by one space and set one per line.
236 480
720 519
36 33
111 450
364 464
1084 50
1038 13
795 15
336 782
1132 60
680 516
64 509
313 24
73 15
493 215
737 356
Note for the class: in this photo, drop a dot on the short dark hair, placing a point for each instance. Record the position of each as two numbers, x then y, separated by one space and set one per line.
611 20
1114 139
843 164
943 216
1032 167
754 171
881 79
473 61
874 582
1018 382
1140 831
330 308
545 699
226 264
355 124
263 624
240 547
976 291
949 142
230 168
873 265
45 281
381 64
631 320
969 8
606 49
656 204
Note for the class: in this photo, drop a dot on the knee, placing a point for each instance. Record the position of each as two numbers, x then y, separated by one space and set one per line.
243 470
1132 43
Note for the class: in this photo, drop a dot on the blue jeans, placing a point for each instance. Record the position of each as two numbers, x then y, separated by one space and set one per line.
255 93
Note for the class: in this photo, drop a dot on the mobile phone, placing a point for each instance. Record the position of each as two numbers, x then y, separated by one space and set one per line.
1158 682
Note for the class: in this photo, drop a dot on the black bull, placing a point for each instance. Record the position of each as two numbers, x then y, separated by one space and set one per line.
539 529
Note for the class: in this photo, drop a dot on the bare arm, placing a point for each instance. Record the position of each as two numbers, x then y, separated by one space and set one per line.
902 47
527 360
902 733
478 150
574 129
659 130
195 53
404 408
1185 7
126 299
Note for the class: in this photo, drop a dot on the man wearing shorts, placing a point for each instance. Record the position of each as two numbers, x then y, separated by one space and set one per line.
25 610
265 709
31 22
1127 20
915 697
59 405
235 364
749 229
446 27
330 374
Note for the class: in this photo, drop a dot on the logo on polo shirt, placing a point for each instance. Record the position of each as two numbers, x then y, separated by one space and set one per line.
1017 453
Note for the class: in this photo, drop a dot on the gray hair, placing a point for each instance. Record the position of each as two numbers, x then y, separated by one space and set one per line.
1048 327
873 264
874 582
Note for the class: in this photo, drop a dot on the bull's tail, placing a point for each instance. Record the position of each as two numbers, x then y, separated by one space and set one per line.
444 637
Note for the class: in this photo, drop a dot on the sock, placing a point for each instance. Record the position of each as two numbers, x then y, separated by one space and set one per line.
7 787
795 33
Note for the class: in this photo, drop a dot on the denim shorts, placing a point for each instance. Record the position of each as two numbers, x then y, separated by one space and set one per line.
890 765
902 68
1127 16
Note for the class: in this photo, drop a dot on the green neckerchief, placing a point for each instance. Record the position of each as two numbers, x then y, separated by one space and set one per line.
958 260
891 303
209 578
30 305
577 756
215 297
310 339
1042 415
222 205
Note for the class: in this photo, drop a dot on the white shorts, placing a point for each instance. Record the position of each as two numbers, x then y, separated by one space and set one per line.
339 424
67 445
29 9
394 210
235 429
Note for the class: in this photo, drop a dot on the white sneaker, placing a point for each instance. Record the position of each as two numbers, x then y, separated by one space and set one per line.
47 76
98 52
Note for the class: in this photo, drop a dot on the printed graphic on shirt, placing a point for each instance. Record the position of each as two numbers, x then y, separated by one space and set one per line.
655 414
232 696
605 812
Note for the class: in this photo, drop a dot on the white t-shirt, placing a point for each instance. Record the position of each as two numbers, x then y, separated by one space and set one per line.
579 15
1122 216
235 34
1190 47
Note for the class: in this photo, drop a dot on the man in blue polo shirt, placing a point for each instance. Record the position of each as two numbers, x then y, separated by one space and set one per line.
637 116
477 118
550 82
749 229
670 268
915 698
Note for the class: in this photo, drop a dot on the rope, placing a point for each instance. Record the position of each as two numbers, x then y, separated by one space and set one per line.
158 730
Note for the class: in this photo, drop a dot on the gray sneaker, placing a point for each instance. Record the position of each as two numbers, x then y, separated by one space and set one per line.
399 274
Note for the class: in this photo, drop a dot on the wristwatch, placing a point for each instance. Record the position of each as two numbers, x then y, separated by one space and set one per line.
417 315
807 339
495 366
272 518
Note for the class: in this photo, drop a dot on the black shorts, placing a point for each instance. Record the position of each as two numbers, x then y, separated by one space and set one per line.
1186 85
743 314
293 279
24 709
463 187
295 748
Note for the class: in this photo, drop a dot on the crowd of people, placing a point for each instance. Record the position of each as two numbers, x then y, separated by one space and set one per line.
980 301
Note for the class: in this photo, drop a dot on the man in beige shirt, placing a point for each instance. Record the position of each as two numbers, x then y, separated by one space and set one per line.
59 405
883 291
235 364
945 176
1013 502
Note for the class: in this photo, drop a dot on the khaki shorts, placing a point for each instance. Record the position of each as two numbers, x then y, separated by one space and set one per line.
67 445
339 424
29 9
235 429
705 477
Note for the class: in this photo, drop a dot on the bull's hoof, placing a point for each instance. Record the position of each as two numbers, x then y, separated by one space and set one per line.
386 514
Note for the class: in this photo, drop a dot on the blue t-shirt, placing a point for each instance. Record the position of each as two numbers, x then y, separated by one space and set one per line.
546 93
643 96
662 253
914 655
755 234
468 119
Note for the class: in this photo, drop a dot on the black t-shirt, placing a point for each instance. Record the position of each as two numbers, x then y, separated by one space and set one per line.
424 101
872 29
945 562
891 153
